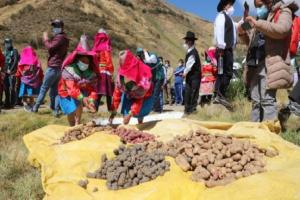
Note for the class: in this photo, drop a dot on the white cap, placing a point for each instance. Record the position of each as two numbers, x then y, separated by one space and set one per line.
102 30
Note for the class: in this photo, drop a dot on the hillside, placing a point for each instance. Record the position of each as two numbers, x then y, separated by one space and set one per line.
153 24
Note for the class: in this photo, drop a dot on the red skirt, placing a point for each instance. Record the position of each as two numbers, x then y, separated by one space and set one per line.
105 85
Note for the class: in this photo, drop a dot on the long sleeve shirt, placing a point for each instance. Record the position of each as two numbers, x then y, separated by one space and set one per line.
57 48
219 31
178 74
150 59
105 63
137 104
190 62
2 60
11 61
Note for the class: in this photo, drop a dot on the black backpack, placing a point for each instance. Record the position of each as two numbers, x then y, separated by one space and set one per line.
256 53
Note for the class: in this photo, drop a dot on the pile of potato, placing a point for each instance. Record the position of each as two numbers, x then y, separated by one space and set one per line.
216 160
131 166
132 136
83 131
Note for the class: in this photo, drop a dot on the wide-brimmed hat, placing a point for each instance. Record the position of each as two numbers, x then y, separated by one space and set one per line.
190 36
223 3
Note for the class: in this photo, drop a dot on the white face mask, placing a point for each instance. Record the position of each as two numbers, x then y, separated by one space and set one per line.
230 11
82 66
57 31
185 46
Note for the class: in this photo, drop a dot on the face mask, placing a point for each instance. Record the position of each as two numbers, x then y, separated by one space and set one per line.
8 46
230 11
208 60
82 66
185 46
56 31
262 12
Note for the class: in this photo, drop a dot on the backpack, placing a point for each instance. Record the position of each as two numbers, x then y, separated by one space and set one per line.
256 53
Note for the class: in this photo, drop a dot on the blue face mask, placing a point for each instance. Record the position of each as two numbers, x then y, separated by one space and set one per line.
262 12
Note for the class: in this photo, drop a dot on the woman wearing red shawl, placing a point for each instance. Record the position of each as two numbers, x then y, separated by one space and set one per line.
30 73
133 88
208 79
77 87
105 70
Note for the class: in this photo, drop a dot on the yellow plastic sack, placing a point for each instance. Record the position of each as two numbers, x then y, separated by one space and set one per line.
62 166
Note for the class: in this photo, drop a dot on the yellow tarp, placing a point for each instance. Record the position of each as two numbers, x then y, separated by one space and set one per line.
63 166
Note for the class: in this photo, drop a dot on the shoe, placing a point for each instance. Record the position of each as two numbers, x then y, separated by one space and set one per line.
27 108
283 117
56 113
34 109
225 103
217 100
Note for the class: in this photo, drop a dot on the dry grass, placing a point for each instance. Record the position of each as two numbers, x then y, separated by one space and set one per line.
18 180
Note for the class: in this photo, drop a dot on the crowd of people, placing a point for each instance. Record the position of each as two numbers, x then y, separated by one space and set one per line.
145 82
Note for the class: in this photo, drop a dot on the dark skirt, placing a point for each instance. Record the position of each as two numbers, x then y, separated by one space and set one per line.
105 85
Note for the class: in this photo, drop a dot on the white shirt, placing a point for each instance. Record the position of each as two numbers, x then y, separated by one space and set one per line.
219 31
165 73
150 59
190 62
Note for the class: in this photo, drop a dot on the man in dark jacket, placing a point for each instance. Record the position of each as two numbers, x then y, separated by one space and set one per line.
192 73
10 68
57 48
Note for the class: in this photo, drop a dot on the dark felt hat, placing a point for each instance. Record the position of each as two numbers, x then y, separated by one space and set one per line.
190 36
57 23
223 3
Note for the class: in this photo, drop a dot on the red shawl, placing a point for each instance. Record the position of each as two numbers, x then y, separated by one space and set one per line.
102 42
135 70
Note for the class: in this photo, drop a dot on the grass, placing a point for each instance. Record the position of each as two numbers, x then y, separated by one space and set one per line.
20 181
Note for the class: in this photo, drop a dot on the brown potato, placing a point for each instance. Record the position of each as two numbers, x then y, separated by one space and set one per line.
182 162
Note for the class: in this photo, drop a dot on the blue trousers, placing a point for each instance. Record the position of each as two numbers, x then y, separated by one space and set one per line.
178 93
51 79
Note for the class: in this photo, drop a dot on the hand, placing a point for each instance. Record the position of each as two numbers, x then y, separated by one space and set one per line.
90 105
85 101
246 14
111 117
127 119
251 20
240 30
220 52
45 36
92 108
8 71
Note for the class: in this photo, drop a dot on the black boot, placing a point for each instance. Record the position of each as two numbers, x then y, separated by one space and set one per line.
283 117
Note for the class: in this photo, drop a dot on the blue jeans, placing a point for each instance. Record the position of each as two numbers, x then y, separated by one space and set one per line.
178 93
157 107
51 79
